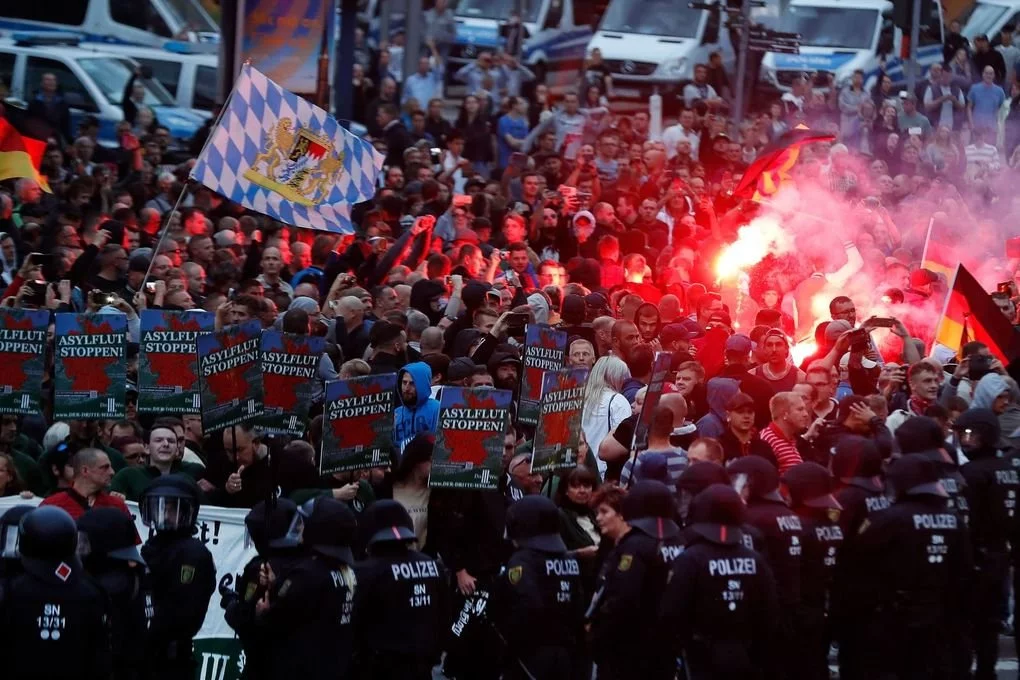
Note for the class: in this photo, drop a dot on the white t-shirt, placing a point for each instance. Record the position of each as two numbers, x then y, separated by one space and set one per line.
611 410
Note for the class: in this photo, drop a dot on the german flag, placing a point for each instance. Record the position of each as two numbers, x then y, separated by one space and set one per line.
20 156
970 314
766 174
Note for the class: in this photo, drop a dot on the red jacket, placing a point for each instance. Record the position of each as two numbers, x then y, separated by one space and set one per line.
77 505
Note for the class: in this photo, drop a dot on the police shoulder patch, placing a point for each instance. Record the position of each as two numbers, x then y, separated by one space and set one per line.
187 574
833 514
864 526
625 562
515 574
249 592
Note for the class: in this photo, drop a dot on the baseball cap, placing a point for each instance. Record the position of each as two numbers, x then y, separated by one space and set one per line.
835 329
775 333
466 236
724 319
672 332
738 343
461 368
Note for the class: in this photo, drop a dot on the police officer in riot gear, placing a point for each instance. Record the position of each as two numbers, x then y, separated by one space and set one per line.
274 535
537 604
399 605
307 613
915 577
993 485
925 436
107 547
810 486
10 557
857 467
182 572
719 606
696 479
627 592
782 539
53 618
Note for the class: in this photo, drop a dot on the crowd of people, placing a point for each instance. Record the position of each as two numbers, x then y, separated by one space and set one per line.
815 472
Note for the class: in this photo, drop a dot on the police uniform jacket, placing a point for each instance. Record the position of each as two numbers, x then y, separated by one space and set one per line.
719 609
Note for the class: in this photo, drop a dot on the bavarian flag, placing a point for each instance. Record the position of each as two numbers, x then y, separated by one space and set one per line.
273 152
971 314
20 156
771 169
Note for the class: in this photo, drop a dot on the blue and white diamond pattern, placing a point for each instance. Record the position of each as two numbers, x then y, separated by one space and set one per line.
253 109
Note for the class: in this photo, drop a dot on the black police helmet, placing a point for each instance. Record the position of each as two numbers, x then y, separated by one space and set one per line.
9 531
109 532
276 527
984 427
810 485
921 433
330 529
717 514
761 475
48 534
534 522
387 521
649 507
698 477
915 475
857 457
170 503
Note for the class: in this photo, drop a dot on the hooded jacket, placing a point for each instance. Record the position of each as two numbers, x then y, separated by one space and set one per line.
422 294
720 391
540 307
988 388
423 416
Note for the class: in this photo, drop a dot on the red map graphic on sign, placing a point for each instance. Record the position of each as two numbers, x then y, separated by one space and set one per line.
230 384
546 340
90 373
468 446
356 431
14 362
281 390
171 369
556 424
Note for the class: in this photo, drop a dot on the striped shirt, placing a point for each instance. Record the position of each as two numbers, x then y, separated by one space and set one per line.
676 463
784 449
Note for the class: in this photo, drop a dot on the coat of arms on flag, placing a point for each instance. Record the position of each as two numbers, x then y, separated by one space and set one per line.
276 153
297 164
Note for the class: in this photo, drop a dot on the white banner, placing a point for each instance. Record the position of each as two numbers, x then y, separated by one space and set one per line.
222 531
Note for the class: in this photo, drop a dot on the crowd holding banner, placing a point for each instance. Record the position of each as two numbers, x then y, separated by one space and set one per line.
448 320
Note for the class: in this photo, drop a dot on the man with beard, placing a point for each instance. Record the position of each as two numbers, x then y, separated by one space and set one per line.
505 368
417 411
647 320
390 347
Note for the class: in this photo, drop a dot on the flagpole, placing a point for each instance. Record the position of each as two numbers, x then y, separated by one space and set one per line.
169 216
927 240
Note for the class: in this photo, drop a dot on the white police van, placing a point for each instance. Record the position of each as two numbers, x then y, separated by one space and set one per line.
138 22
188 71
92 83
842 36
559 30
653 45
989 16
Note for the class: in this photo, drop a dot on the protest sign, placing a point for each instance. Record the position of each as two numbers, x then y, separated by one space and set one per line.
218 654
168 360
290 378
545 349
231 380
559 420
654 390
90 366
22 355
469 442
358 432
